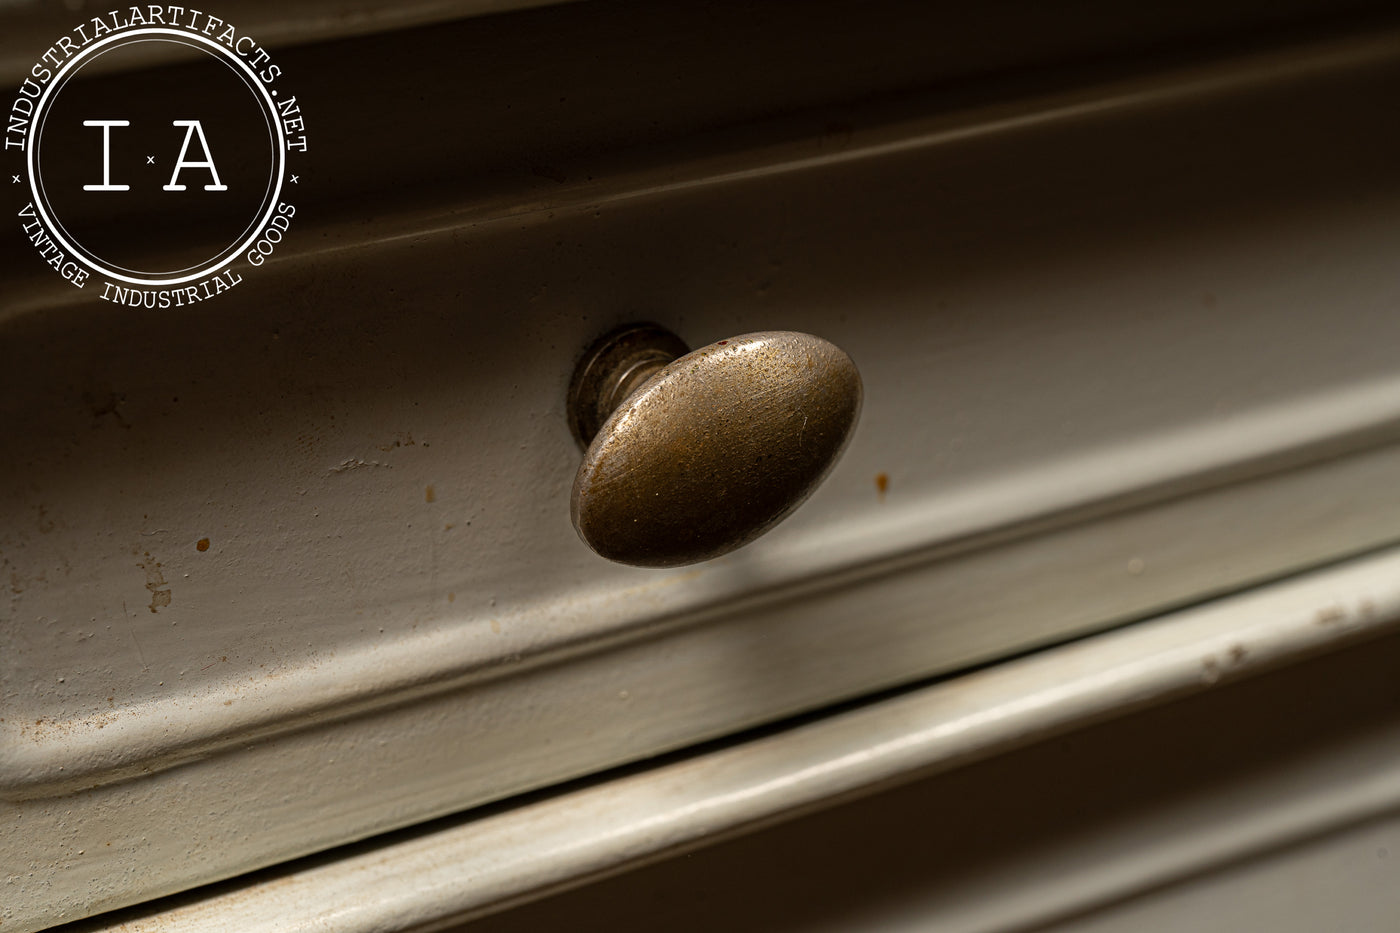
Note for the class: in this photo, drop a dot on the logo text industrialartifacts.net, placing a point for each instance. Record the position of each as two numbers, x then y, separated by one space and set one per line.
155 144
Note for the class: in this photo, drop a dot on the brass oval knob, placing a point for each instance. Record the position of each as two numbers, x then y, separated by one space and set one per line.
689 455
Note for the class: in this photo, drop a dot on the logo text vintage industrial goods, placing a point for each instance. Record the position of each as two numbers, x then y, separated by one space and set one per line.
159 154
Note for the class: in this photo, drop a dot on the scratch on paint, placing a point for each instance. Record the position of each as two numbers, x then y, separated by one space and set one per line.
131 630
354 463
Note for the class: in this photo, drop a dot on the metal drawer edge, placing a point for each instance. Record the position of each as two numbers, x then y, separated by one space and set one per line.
488 864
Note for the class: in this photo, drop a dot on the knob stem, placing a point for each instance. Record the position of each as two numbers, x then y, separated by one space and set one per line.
613 368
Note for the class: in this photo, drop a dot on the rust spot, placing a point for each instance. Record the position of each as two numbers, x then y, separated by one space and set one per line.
202 544
882 484
1331 616
429 495
451 597
496 626
1210 669
1238 653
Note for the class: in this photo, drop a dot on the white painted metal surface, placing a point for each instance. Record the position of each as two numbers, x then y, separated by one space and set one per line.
482 865
1095 391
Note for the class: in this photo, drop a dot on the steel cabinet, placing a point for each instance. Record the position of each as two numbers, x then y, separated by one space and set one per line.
294 568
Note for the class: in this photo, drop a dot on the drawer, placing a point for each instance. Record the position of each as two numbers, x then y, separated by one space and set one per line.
294 567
